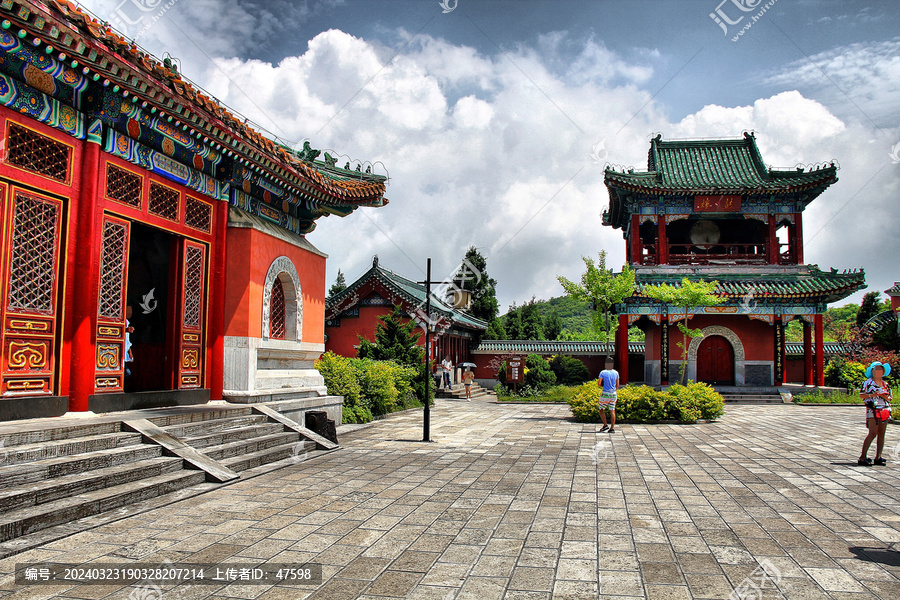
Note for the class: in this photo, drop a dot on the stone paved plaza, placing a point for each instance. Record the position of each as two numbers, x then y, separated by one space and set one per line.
520 502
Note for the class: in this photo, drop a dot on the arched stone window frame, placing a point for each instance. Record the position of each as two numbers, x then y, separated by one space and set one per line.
283 269
736 344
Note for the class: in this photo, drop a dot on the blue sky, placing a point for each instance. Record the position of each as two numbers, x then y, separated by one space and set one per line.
490 118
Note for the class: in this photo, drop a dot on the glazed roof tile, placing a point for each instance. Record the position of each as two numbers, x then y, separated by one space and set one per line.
716 166
411 291
808 284
893 291
103 52
601 348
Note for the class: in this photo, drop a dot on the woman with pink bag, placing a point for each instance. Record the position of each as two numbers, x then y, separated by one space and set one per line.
876 393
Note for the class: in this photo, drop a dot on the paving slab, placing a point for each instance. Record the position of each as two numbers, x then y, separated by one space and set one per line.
520 501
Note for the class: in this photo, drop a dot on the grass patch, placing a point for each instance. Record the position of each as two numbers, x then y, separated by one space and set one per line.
557 393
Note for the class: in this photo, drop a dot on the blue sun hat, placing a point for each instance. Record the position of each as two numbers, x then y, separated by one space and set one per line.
887 368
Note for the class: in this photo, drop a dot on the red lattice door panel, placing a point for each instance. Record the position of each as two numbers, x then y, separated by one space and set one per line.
111 344
193 313
30 284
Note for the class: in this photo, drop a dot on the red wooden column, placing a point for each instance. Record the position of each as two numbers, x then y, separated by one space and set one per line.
85 279
635 240
807 354
798 237
217 305
662 244
820 351
622 348
772 246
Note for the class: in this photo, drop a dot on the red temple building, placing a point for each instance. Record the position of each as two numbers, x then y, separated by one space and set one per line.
354 312
129 196
712 210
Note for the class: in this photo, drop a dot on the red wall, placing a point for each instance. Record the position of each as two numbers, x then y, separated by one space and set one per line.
757 337
250 254
343 340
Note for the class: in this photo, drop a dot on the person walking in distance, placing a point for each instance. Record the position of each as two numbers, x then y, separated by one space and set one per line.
609 384
447 367
468 378
876 393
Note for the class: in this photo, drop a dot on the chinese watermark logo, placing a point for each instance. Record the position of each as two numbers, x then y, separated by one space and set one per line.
723 19
895 154
298 452
448 6
148 303
135 17
751 588
451 290
600 452
747 301
599 152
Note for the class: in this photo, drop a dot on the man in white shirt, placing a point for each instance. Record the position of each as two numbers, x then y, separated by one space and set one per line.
447 367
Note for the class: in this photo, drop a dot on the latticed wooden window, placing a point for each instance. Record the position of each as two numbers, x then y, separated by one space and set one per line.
276 311
193 287
33 254
197 214
112 269
163 201
123 186
39 153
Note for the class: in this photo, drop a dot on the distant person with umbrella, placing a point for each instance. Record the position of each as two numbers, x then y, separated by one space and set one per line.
468 378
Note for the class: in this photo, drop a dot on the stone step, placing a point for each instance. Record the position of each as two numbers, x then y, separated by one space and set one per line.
212 426
26 453
199 416
227 436
50 434
48 490
299 449
50 468
237 448
20 522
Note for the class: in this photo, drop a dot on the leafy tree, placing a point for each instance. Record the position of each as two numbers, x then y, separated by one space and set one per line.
394 340
538 374
690 294
553 326
569 370
474 277
532 323
871 306
340 284
513 323
601 287
495 331
398 341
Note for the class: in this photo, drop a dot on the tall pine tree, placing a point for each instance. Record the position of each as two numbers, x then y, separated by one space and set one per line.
474 277
340 284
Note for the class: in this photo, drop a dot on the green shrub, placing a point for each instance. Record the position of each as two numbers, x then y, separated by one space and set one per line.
697 401
569 370
370 387
841 372
642 403
537 372
585 403
340 377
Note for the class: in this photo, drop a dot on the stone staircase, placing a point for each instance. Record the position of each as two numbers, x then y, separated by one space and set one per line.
750 397
56 474
458 392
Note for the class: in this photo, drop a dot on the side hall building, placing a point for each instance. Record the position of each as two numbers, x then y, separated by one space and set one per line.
712 210
153 245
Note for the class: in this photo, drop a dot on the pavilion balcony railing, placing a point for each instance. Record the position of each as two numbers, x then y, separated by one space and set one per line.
786 254
690 254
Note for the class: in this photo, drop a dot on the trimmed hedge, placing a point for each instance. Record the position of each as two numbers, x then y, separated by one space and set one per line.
640 404
370 387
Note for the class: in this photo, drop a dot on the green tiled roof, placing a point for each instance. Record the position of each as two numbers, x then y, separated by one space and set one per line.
601 348
894 291
716 166
552 347
410 291
809 284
